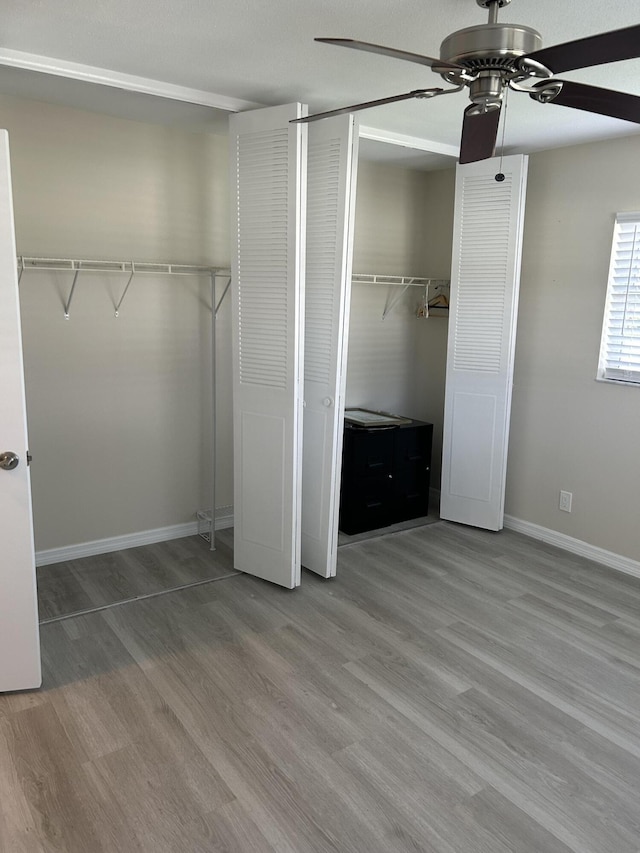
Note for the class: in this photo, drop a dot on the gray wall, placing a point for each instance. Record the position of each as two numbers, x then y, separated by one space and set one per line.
569 431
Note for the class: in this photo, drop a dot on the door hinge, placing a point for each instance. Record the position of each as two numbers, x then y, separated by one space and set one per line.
29 458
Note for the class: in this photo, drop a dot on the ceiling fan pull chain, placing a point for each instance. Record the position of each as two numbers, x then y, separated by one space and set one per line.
500 175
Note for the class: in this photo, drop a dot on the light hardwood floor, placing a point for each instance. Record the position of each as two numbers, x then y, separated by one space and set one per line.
451 691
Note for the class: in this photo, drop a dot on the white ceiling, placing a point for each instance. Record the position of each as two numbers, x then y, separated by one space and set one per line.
263 51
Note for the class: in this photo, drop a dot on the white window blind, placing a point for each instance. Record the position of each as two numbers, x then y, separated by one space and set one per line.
620 347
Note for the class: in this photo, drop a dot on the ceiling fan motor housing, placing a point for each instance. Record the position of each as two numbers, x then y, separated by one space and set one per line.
490 46
490 52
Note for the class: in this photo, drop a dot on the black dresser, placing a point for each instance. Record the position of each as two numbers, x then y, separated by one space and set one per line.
385 474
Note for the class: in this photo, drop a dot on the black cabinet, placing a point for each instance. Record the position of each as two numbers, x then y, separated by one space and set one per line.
385 475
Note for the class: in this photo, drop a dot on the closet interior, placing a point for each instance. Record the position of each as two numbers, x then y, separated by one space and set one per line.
120 355
116 310
397 348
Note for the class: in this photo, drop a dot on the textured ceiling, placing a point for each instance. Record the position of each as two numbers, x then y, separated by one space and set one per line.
263 51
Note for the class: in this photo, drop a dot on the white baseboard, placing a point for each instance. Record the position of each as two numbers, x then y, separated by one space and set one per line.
575 546
130 540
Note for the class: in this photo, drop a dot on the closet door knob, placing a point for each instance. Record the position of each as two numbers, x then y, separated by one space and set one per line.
328 401
9 460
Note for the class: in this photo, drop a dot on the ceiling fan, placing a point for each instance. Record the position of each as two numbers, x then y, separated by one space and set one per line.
487 59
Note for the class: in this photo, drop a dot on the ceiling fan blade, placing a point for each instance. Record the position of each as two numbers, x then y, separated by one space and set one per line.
479 134
392 52
593 50
416 93
593 99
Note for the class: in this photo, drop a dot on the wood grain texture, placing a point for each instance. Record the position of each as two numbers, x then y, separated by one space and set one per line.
451 691
78 585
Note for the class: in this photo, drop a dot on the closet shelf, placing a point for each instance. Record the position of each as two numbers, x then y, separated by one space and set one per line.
404 282
131 267
394 280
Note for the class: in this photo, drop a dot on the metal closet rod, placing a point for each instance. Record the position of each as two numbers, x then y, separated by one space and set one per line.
395 280
77 266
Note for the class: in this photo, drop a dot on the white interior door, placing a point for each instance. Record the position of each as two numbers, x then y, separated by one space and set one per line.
268 162
19 637
485 279
331 183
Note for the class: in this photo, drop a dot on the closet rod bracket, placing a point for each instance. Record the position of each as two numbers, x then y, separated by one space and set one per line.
393 299
67 307
124 292
224 293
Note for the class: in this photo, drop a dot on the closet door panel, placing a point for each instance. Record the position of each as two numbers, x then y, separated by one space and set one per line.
485 279
19 638
331 180
268 215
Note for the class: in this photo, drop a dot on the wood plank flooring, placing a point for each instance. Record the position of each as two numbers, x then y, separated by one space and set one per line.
451 691
89 582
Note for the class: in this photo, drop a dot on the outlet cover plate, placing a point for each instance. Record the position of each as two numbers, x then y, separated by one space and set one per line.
565 501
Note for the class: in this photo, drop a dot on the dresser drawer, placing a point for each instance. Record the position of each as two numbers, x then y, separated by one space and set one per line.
369 452
367 503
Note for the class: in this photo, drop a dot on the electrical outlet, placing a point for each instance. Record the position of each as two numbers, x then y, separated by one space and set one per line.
565 501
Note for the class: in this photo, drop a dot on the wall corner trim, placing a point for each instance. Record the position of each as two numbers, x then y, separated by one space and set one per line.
120 543
575 546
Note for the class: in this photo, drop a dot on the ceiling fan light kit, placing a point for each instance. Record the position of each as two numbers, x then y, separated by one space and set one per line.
487 59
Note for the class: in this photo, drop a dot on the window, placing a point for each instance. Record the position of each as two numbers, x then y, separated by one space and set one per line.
620 346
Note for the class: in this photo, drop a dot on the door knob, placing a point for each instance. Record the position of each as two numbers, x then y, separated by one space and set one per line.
328 401
9 460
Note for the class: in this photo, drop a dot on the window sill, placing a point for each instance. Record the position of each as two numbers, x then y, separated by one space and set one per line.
626 382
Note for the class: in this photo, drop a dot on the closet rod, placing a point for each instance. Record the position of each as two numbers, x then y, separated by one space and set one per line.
73 265
402 281
395 280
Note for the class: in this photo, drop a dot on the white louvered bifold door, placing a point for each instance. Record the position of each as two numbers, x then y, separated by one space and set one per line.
19 640
268 218
485 278
331 179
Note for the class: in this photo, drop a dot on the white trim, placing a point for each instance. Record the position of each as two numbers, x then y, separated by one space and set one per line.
120 543
118 80
575 546
406 141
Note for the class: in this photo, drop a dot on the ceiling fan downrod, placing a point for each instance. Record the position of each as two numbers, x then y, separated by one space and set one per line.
493 6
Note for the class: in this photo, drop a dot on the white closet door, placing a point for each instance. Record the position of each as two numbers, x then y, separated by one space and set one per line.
19 639
331 181
268 162
485 279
